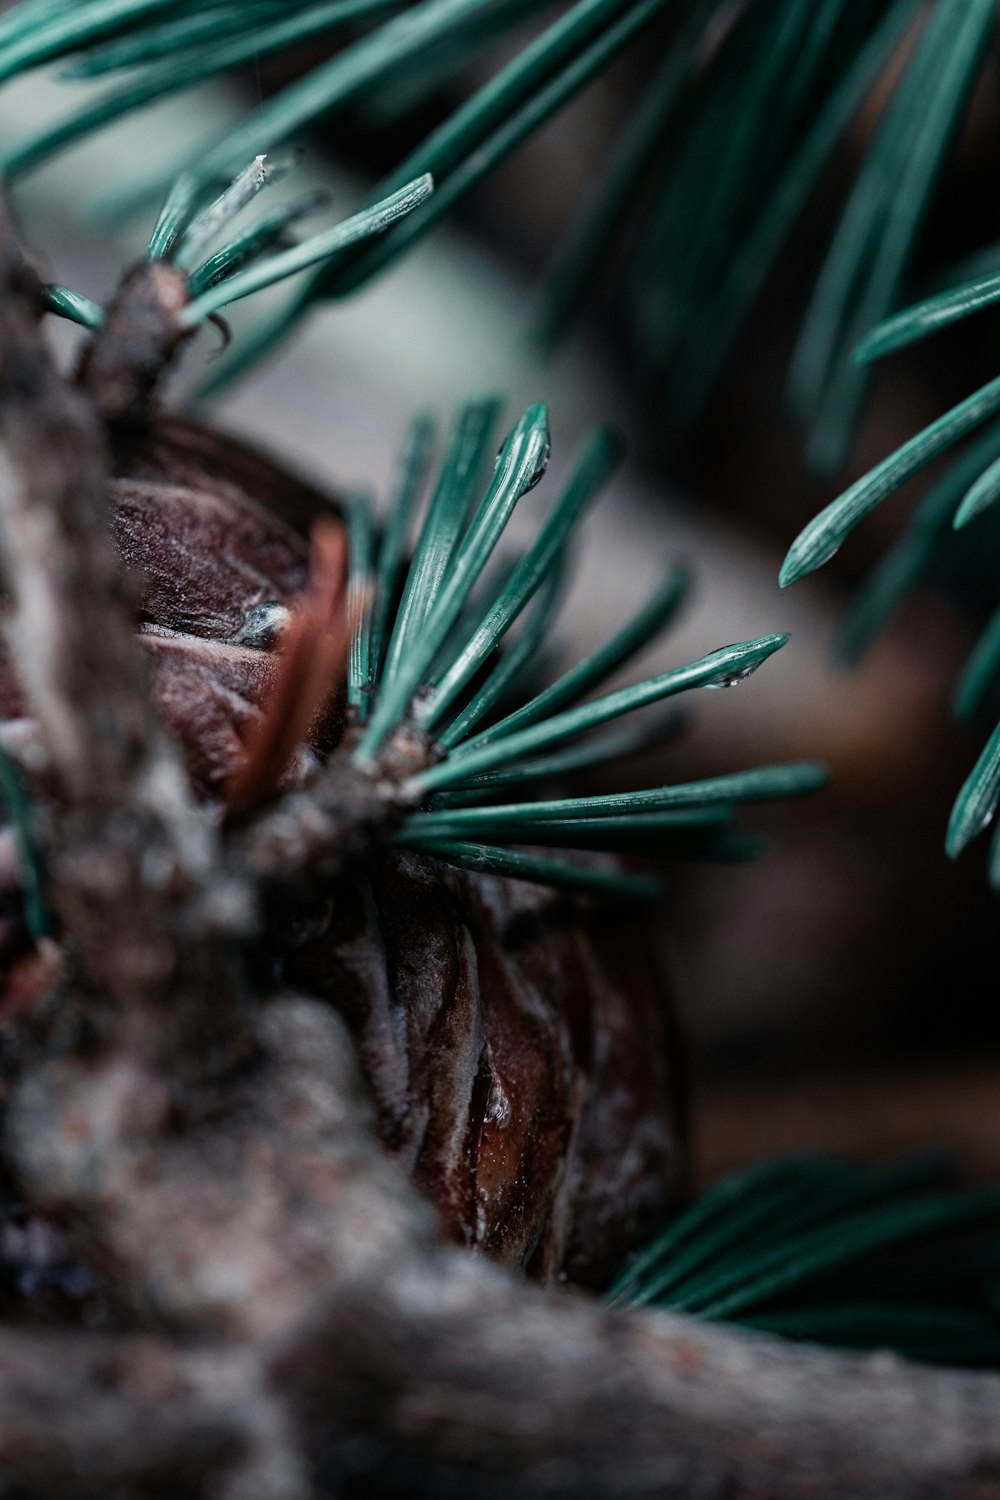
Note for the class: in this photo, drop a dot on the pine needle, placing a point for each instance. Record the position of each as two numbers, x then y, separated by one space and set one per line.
976 803
430 659
831 1251
822 538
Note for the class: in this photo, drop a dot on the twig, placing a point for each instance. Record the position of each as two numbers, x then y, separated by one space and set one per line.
134 873
142 333
406 1367
83 1414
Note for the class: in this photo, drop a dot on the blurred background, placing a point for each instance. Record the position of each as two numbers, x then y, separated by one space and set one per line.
841 990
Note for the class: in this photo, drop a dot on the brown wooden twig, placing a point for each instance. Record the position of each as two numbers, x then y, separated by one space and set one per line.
135 876
405 1367
83 1414
123 367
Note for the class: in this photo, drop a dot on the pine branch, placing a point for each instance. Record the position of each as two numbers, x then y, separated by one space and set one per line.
430 661
766 95
217 1147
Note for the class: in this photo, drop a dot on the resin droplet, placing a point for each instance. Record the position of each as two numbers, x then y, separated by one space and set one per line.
263 625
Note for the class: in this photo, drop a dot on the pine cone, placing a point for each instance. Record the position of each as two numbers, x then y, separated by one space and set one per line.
522 1059
518 1043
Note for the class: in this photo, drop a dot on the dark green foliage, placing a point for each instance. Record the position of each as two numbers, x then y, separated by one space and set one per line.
730 138
888 1255
426 659
188 226
954 535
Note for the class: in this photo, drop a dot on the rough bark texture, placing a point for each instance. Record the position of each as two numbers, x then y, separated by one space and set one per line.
284 1319
369 1359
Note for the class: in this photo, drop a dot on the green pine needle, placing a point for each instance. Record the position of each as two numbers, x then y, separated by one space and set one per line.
442 645
294 22
817 1248
924 318
822 538
66 303
980 671
722 668
763 783
320 247
270 231
414 463
447 516
602 454
214 219
976 803
976 476
360 602
652 620
967 490
521 465
601 750
34 34
187 226
980 495
157 39
752 259
515 663
765 93
911 560
487 859
784 1268
578 264
914 559
502 115
869 256
519 820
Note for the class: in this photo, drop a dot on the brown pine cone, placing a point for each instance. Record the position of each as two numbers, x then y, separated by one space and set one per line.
518 1043
522 1058
217 547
